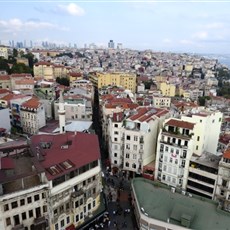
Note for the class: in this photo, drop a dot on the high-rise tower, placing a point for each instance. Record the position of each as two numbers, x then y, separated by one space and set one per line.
61 113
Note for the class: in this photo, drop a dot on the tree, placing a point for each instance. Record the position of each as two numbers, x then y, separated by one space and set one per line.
15 52
4 65
62 81
21 68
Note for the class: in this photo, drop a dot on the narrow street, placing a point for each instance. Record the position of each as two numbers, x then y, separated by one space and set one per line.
116 188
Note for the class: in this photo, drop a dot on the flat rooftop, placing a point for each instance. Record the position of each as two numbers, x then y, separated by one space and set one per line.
160 203
207 159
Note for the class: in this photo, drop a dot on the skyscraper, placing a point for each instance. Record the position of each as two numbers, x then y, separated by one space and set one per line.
111 44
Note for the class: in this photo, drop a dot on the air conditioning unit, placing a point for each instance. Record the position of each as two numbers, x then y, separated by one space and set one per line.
183 193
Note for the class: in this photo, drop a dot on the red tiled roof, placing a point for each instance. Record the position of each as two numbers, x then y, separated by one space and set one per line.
43 63
22 75
73 74
33 103
79 152
7 163
4 77
181 124
27 81
3 91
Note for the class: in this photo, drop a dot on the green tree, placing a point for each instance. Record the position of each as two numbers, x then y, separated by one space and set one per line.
15 52
4 65
21 68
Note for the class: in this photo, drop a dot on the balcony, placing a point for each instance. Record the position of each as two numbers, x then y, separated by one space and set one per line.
40 222
77 193
18 227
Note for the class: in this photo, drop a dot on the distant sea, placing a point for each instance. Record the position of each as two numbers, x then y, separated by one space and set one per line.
223 59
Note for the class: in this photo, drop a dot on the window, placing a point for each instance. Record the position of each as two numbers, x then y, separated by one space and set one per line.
134 156
22 202
127 164
36 197
198 138
184 153
170 160
128 137
29 200
166 148
135 138
94 203
115 162
134 147
55 212
23 216
30 213
81 215
6 207
161 148
14 204
115 147
116 125
115 154
115 132
115 139
133 166
62 223
127 146
197 147
127 155
8 221
44 208
84 209
61 208
76 204
56 226
67 220
163 177
77 218
43 195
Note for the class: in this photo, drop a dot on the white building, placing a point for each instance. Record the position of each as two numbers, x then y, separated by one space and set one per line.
174 151
223 182
32 114
207 130
77 107
53 183
133 143
161 101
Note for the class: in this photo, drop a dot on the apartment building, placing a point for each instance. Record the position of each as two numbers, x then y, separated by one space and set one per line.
174 151
126 80
49 71
32 116
167 89
77 107
52 183
202 177
132 144
223 182
4 51
206 120
23 189
5 82
161 101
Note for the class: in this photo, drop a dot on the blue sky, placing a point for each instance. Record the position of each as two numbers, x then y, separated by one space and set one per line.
176 26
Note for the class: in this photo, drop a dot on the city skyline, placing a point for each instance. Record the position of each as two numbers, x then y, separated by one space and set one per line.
168 26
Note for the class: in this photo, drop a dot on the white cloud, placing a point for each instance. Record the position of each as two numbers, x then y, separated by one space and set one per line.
72 9
215 25
200 35
186 42
167 40
16 25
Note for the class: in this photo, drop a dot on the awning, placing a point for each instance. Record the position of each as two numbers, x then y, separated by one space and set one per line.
71 227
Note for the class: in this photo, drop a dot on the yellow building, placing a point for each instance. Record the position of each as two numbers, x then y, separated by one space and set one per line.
44 70
126 80
23 61
167 89
59 71
4 52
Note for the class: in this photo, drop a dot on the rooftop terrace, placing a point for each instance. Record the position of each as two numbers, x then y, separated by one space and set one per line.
164 205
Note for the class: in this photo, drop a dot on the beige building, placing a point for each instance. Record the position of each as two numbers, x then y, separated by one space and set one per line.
167 89
32 116
4 51
126 80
